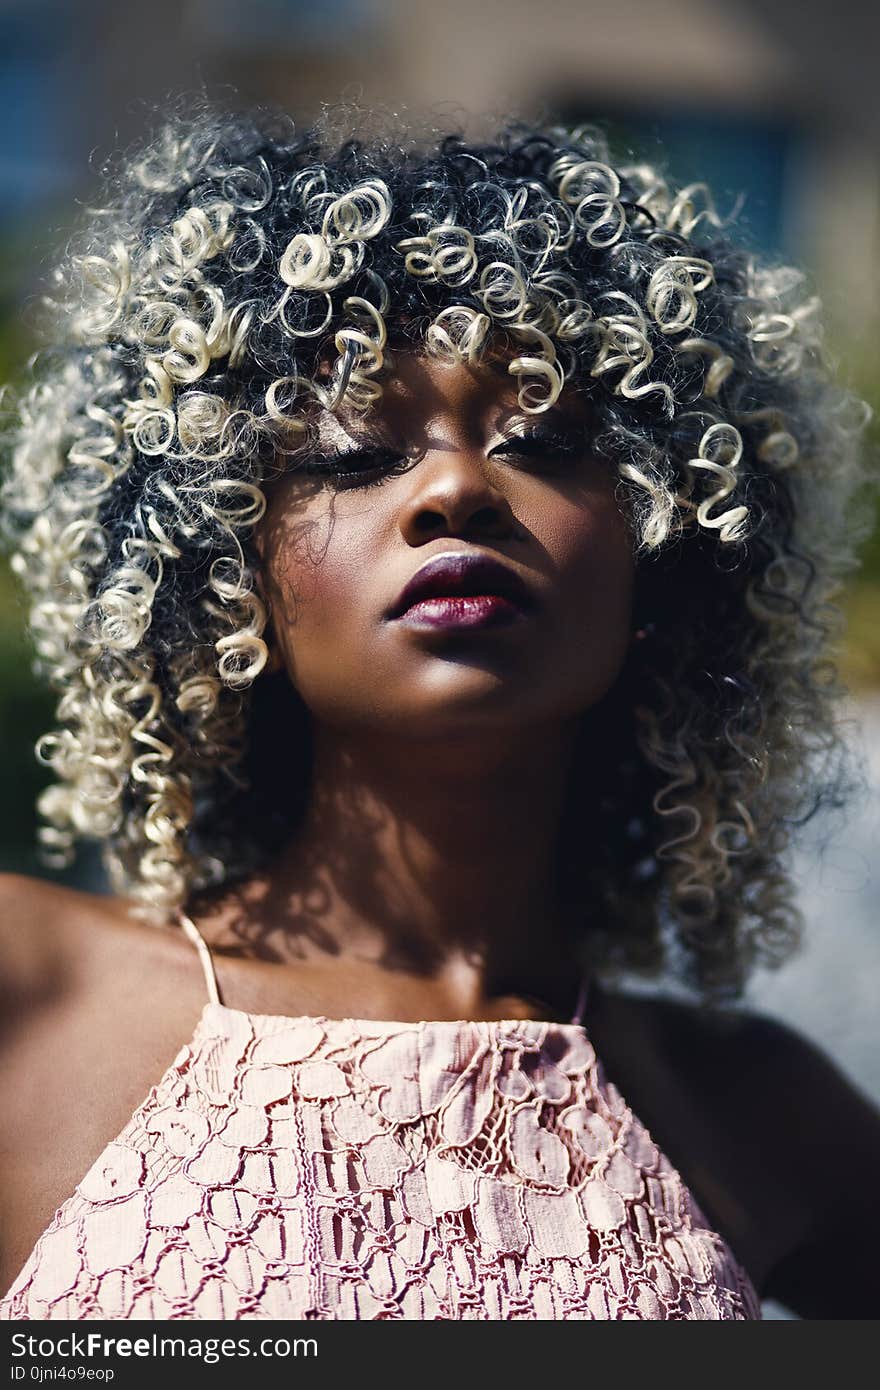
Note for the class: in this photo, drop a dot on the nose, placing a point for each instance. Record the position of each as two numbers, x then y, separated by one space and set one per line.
453 496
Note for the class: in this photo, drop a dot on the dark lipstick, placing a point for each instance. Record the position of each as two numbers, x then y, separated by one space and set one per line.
458 589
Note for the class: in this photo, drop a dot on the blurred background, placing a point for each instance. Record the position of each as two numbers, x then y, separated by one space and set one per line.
776 104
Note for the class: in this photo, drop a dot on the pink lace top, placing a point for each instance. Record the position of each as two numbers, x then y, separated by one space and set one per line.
345 1168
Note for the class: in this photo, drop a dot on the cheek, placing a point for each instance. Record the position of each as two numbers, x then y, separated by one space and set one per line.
591 547
591 550
317 559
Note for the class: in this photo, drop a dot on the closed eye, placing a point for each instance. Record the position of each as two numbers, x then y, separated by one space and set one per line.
540 444
369 467
357 467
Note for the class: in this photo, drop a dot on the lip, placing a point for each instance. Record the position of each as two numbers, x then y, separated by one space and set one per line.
462 589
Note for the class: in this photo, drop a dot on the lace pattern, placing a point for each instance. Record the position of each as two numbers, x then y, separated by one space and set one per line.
316 1168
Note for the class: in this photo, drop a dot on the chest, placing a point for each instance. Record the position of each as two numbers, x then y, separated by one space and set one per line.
304 1168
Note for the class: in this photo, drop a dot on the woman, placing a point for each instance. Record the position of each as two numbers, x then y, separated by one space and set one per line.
431 549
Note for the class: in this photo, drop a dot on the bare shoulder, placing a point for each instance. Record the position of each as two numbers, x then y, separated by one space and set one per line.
42 939
750 1069
95 1005
84 984
59 946
793 1082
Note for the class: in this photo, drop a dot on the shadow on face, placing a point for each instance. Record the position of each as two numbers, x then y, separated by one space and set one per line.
448 462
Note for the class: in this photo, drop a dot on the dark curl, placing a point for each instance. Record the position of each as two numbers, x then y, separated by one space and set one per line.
245 275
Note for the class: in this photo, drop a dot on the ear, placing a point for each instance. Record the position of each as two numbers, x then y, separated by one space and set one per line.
274 660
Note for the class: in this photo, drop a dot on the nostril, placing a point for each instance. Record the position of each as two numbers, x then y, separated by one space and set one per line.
486 520
428 521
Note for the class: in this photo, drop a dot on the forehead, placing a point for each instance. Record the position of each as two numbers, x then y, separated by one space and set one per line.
415 378
414 381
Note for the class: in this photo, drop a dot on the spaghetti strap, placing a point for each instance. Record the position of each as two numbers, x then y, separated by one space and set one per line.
201 946
583 994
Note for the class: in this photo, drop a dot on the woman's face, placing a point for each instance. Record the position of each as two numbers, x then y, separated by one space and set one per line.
441 470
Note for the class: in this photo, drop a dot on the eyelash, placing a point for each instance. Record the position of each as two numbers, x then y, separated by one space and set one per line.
535 443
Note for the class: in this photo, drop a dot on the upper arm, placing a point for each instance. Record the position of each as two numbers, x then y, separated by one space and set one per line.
781 1149
825 1133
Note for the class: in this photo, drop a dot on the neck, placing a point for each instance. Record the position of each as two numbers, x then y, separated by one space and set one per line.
435 860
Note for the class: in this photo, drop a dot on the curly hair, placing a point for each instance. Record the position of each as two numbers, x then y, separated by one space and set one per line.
192 324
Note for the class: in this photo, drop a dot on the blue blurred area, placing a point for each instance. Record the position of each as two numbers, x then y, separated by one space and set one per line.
745 159
264 23
33 170
48 97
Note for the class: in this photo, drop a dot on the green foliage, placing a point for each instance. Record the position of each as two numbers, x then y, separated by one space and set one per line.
865 376
25 713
